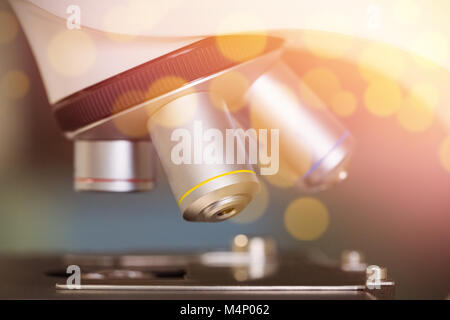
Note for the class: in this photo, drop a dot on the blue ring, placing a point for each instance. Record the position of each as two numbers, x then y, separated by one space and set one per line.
319 162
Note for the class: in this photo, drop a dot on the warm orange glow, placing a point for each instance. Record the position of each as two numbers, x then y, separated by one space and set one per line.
327 45
131 124
323 82
170 115
306 218
379 61
231 47
231 87
343 103
309 98
418 109
383 97
164 85
334 44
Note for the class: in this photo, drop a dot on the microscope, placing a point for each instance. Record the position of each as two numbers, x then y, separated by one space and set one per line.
217 111
127 102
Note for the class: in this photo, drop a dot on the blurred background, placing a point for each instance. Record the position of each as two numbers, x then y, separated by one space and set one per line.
394 206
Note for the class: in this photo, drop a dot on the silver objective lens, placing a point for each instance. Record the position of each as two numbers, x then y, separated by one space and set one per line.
114 166
314 146
189 137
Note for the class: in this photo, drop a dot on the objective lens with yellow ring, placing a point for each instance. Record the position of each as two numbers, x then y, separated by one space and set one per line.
208 184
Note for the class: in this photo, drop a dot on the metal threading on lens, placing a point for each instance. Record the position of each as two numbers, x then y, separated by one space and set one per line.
225 208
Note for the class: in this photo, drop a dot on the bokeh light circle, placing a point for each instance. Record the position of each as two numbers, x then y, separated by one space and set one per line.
131 124
72 53
241 240
231 47
15 84
383 97
170 115
306 218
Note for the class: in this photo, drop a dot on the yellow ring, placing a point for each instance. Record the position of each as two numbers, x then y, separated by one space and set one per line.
210 179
